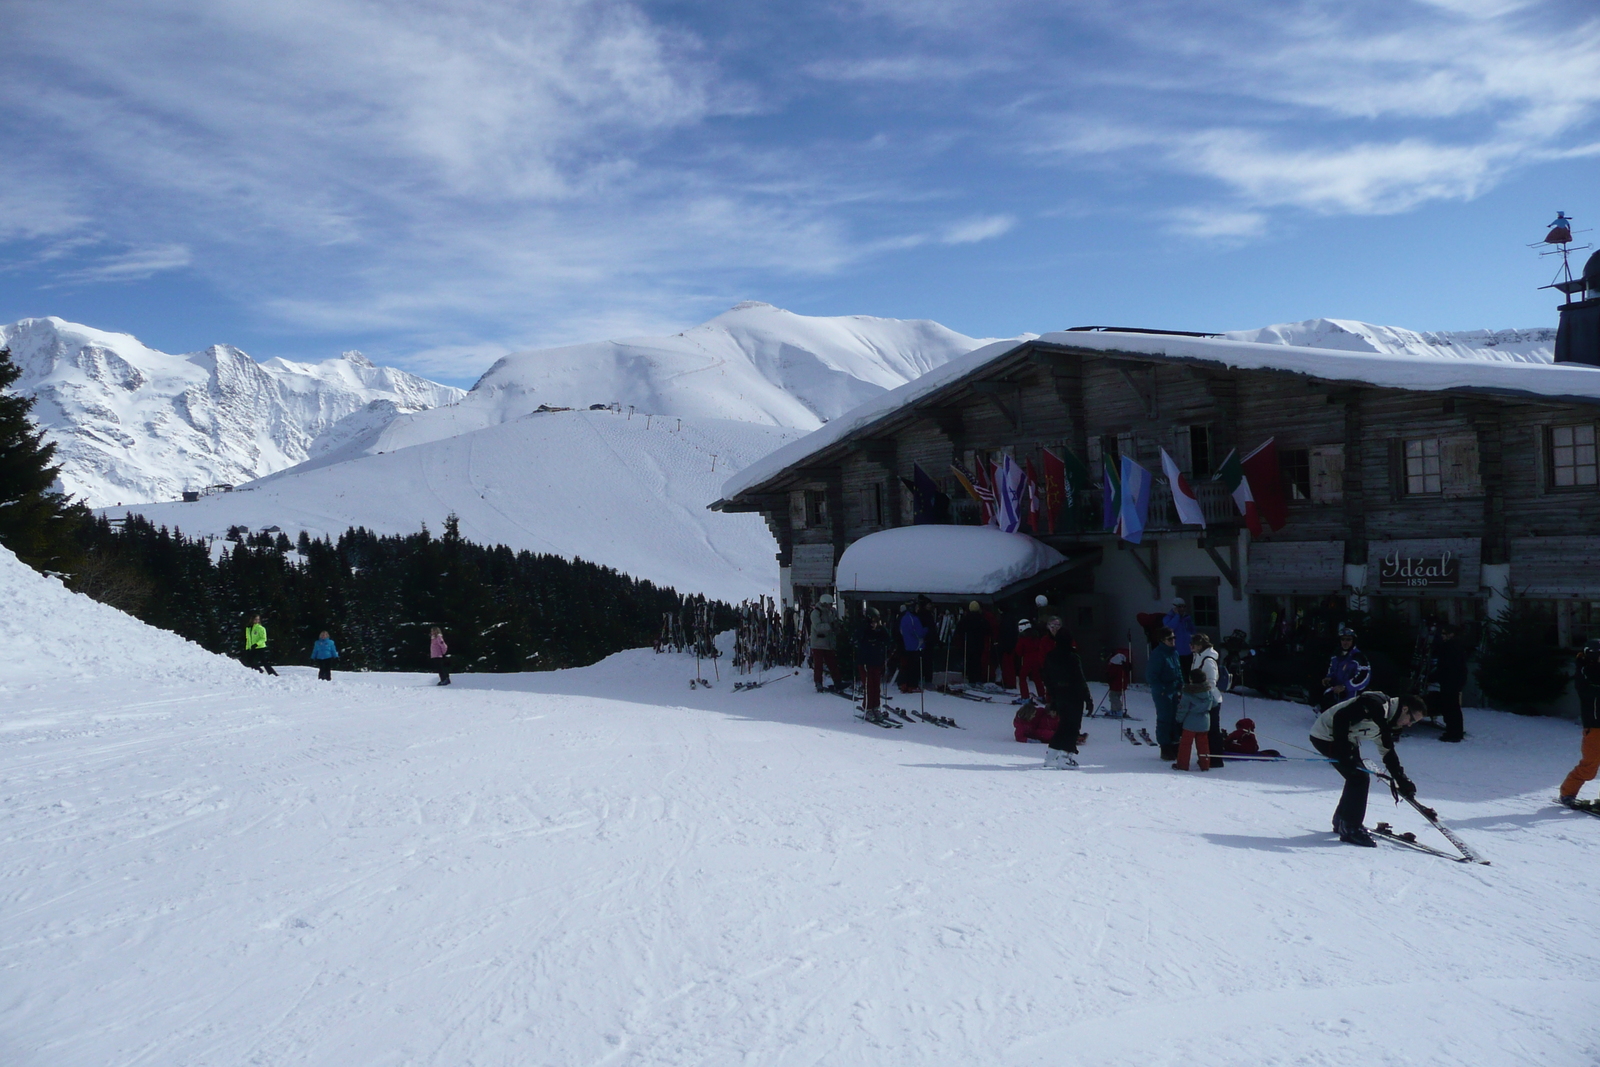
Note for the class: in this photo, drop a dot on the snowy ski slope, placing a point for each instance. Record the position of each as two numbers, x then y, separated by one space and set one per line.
603 866
626 493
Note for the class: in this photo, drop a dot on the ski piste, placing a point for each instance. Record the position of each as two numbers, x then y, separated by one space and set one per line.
1409 840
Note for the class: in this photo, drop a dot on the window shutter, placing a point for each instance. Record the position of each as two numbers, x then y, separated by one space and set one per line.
1397 469
1458 466
797 509
1327 474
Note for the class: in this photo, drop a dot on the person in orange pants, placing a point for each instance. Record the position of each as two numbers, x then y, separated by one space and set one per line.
1589 713
1194 714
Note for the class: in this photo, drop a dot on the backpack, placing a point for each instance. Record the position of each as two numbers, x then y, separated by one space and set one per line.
1224 679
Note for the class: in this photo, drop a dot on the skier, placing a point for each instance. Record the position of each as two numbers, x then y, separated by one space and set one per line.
1165 675
1349 673
439 654
973 633
255 647
823 624
1450 671
912 632
1338 733
1032 647
1588 684
1119 675
1197 709
1203 658
872 652
325 656
1181 623
1069 697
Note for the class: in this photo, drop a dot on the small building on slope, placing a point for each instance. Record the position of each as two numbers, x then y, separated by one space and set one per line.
1413 488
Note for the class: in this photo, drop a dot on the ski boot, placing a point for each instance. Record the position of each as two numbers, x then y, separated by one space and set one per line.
1057 760
1356 835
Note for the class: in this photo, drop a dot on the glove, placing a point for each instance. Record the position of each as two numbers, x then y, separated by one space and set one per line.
1406 786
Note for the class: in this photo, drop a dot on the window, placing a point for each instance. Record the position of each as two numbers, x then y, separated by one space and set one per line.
1422 467
816 507
872 505
1572 457
1327 474
1200 452
1206 613
1295 463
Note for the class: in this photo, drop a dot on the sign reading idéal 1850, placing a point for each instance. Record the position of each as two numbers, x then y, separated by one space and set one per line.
1412 572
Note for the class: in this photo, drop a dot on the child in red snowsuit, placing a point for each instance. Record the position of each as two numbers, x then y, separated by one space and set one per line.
1243 740
1035 723
1032 647
1119 675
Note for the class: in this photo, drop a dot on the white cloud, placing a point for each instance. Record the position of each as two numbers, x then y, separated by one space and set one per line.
1218 224
133 265
980 229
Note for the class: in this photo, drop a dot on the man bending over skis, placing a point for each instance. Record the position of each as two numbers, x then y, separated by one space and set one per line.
1338 733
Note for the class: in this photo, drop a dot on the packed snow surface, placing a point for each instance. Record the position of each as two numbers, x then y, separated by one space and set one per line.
606 866
943 559
134 424
628 493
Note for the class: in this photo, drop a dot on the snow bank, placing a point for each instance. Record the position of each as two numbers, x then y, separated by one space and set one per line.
943 559
52 634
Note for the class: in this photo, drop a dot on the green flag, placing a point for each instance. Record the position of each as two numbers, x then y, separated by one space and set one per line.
1231 475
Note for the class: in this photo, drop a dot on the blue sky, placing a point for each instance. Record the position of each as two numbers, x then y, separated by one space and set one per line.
439 183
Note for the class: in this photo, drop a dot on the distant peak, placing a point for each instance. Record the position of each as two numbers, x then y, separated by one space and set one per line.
356 357
745 305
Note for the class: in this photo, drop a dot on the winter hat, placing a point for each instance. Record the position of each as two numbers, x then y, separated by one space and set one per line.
1248 725
972 606
1024 626
824 599
1041 600
1179 602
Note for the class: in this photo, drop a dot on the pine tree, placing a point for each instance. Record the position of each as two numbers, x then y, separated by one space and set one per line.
36 522
1521 666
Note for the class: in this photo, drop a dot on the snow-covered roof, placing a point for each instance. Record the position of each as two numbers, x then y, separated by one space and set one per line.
1563 381
968 560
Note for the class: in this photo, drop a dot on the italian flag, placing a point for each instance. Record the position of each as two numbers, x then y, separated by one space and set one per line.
1231 475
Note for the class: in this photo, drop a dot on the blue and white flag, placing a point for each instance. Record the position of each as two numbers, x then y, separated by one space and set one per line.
1135 501
1008 487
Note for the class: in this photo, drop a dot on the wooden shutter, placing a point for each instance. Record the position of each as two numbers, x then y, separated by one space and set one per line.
797 509
1458 466
1327 474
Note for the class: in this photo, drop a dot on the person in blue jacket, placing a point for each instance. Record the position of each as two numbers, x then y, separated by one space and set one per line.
1349 673
325 656
1165 675
1181 623
912 635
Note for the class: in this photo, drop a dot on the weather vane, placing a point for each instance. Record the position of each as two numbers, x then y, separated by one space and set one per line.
1558 242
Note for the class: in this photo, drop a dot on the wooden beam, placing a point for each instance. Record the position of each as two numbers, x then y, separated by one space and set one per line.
1151 570
1146 392
994 391
1228 569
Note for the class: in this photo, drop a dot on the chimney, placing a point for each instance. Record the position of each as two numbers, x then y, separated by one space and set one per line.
1578 337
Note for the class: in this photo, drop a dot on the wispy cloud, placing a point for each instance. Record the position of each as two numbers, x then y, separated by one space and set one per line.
133 265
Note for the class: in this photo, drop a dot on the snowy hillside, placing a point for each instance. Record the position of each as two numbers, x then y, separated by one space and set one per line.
625 493
53 635
754 363
604 866
1514 346
135 424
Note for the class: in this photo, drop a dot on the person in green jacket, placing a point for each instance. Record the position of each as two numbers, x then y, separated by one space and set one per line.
255 646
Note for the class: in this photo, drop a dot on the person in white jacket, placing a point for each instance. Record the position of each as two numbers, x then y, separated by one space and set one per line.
1205 659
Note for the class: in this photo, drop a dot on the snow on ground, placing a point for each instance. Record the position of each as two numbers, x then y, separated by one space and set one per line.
626 493
604 866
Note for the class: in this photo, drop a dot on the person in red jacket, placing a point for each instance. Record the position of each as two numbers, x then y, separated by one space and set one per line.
1242 742
1032 647
1034 723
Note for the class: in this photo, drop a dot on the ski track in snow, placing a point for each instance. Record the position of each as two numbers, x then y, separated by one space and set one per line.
603 867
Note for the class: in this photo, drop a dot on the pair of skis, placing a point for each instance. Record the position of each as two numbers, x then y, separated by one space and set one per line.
1588 807
1142 738
1409 840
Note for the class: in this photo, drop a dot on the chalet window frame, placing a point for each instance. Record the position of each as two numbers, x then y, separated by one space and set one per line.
872 505
1416 475
816 508
1294 465
1575 448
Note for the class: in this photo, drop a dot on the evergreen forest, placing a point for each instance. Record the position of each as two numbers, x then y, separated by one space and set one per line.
378 595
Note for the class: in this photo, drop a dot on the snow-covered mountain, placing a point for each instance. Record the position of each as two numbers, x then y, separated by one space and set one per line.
1346 335
629 493
132 423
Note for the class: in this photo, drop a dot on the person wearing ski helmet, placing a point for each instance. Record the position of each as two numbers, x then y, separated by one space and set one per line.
1338 733
1588 685
823 623
872 653
1349 672
1069 696
1033 645
973 635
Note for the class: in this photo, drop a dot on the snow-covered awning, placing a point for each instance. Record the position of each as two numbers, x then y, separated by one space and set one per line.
947 562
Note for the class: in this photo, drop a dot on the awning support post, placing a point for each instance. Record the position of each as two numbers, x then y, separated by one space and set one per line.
1151 570
1229 569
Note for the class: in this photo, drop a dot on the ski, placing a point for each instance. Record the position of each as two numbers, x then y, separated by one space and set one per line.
1409 840
877 718
964 695
940 720
1449 835
1128 735
1144 735
1588 807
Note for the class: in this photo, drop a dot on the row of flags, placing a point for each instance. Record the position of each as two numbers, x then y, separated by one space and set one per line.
1015 496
